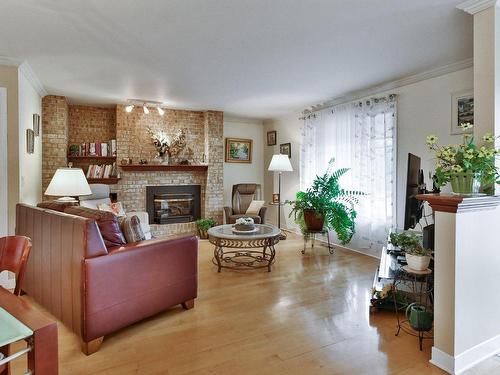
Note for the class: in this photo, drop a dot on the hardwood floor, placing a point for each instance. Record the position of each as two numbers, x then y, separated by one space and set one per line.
309 315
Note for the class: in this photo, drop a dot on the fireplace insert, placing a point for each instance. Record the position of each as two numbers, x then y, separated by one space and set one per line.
173 204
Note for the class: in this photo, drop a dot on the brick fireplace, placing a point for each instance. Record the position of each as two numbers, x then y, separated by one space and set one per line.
204 135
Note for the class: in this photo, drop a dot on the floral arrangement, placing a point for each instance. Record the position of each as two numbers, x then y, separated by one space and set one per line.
465 158
244 221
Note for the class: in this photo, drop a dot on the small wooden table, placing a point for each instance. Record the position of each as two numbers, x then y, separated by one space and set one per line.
43 353
244 257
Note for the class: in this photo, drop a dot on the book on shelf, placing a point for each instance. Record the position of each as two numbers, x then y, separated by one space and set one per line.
105 149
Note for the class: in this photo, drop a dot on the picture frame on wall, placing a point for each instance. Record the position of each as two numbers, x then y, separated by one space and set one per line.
286 149
272 137
462 110
238 150
36 124
30 141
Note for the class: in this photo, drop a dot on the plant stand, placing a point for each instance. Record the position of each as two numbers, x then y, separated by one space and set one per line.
312 236
419 286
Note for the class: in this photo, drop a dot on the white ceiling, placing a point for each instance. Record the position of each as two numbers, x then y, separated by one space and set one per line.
256 58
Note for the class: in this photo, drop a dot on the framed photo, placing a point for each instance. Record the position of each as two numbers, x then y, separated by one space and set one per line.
286 149
36 124
271 138
30 141
462 110
238 150
276 198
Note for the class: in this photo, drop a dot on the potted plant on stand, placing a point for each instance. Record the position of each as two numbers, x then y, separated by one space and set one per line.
203 225
467 166
326 205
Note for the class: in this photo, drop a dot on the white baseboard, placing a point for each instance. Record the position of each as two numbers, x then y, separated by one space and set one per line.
467 359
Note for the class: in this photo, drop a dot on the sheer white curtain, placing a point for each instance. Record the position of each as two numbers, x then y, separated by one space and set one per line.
362 136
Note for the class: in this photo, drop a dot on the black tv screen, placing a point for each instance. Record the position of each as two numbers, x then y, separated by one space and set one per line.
414 183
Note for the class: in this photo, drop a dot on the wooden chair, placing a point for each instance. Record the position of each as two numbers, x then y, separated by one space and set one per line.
14 253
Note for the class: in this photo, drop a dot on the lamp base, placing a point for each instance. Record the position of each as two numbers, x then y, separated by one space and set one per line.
66 200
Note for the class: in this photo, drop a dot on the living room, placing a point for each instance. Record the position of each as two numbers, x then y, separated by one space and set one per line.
249 187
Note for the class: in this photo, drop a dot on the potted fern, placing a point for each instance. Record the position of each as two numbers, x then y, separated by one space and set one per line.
325 205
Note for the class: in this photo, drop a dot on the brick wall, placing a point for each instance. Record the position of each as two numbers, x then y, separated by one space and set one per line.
54 136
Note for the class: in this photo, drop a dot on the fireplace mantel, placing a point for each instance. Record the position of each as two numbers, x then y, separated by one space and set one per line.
160 167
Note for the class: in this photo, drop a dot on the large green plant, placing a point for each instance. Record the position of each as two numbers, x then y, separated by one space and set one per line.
328 199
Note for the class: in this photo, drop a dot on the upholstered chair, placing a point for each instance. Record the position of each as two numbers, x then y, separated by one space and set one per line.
14 253
100 195
242 196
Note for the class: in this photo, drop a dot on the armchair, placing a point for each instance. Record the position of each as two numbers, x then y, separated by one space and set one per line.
242 196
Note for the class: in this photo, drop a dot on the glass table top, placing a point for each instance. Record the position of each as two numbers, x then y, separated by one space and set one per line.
262 231
11 329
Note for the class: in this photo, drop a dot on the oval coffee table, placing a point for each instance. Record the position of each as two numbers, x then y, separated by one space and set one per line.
246 257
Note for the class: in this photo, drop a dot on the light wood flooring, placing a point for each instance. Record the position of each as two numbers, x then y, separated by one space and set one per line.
310 315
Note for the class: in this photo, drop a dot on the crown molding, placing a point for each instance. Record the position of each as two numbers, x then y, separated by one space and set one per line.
476 6
25 68
391 85
31 76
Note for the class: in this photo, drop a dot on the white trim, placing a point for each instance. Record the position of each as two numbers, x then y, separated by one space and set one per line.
4 228
25 68
31 76
442 360
476 6
387 86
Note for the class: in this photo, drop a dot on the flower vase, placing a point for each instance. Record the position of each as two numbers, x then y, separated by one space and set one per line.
466 183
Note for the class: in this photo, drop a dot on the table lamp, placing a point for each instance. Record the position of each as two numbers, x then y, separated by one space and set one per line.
280 163
67 183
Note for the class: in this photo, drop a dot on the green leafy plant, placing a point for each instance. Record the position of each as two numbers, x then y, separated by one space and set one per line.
205 224
404 240
329 200
466 157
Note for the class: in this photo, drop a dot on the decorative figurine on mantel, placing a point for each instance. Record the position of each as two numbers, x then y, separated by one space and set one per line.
166 146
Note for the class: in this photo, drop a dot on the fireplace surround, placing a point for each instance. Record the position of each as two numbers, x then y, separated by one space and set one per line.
171 204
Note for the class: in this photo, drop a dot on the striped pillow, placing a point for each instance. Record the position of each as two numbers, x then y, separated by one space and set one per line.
131 228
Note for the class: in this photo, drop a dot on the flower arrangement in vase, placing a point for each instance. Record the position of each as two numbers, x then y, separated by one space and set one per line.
467 166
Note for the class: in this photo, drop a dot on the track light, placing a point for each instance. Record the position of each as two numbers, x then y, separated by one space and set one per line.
129 108
145 109
161 111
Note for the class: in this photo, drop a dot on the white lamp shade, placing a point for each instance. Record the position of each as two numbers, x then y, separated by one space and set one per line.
68 182
280 163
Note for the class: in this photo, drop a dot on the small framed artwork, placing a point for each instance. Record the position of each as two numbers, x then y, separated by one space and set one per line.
276 198
286 149
30 141
271 138
462 110
238 150
36 124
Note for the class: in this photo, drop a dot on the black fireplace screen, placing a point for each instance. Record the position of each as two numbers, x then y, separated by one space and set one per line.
173 204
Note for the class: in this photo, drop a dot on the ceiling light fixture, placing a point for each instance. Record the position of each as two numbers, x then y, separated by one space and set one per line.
145 109
161 111
129 108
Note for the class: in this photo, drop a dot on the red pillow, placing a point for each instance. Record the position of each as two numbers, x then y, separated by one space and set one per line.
106 221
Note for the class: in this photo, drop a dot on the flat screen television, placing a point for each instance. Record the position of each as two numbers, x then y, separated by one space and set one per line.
414 186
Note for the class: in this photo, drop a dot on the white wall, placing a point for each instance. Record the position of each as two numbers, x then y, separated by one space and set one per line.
30 165
237 173
423 108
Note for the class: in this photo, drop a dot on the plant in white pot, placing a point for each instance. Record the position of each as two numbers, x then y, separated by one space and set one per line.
418 258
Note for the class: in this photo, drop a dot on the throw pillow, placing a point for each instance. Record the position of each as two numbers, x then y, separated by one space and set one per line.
106 221
254 207
131 228
116 208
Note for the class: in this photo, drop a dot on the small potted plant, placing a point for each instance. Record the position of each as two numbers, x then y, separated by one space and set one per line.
203 225
467 166
326 205
418 258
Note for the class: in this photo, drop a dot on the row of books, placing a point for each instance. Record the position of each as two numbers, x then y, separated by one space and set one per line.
94 149
102 171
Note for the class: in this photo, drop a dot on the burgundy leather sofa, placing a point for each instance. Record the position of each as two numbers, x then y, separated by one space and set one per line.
93 290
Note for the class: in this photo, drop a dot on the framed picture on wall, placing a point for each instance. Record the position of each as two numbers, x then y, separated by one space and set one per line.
36 124
30 141
462 110
286 149
272 137
238 150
